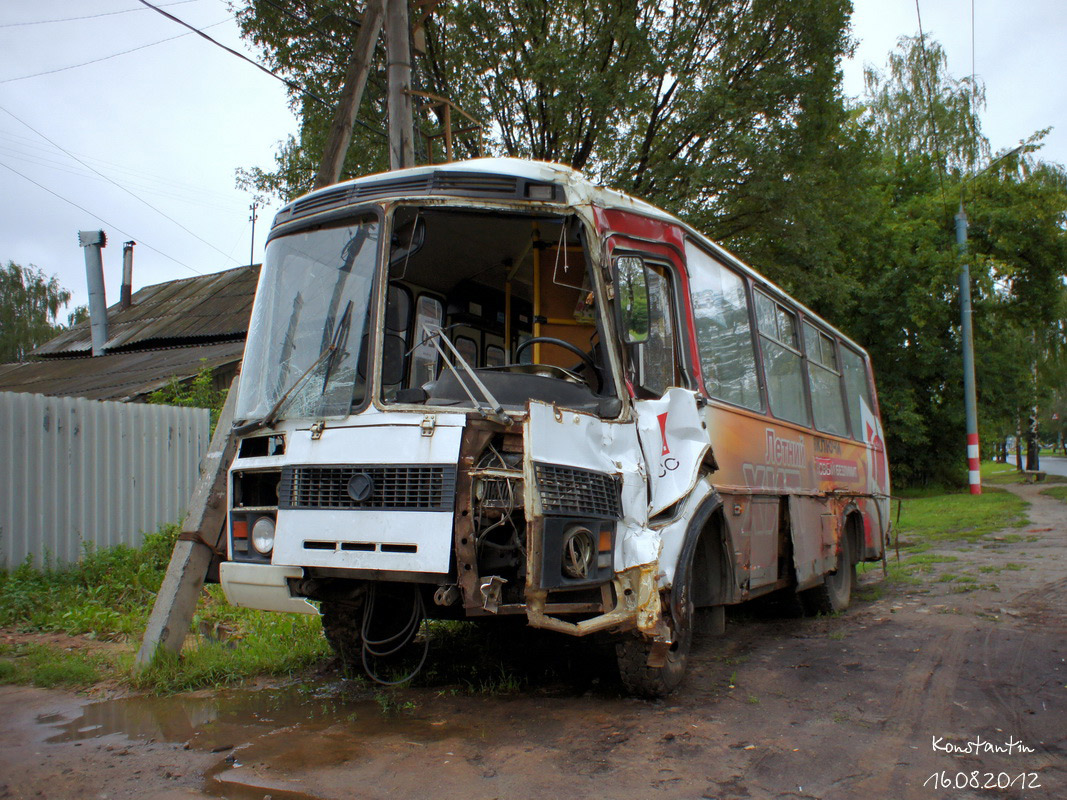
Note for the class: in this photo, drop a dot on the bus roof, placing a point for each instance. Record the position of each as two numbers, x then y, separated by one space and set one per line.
579 190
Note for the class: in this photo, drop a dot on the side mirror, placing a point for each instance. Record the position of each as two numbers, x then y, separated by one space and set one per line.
631 298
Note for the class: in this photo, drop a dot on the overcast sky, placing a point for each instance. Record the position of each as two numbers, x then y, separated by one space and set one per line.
145 144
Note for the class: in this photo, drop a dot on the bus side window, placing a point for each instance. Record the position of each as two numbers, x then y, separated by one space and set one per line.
824 379
781 360
654 358
857 389
724 336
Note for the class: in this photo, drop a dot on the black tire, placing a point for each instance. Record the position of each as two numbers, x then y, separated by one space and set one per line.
652 683
342 626
834 594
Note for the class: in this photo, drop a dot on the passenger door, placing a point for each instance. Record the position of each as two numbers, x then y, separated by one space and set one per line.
671 429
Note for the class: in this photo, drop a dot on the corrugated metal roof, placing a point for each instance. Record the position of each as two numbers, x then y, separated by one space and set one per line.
206 307
116 376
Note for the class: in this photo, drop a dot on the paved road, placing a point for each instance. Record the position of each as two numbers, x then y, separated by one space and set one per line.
1053 465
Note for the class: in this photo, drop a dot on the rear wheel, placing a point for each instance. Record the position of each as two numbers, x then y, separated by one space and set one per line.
835 592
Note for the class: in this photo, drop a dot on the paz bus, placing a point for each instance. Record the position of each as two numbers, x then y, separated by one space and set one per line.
494 388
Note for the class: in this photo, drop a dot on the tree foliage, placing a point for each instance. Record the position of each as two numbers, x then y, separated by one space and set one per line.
927 157
730 115
706 109
29 303
197 392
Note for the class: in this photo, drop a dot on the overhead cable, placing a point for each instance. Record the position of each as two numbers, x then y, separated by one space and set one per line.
111 225
291 84
117 184
88 16
113 55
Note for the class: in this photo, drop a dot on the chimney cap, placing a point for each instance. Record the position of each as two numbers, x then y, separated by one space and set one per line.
87 238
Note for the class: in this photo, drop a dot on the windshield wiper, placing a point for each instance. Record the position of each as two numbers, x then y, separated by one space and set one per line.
495 412
338 342
340 336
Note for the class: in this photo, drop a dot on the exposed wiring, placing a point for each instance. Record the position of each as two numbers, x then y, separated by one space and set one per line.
930 110
139 239
377 648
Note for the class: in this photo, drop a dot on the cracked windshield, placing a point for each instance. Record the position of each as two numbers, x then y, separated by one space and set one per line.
309 325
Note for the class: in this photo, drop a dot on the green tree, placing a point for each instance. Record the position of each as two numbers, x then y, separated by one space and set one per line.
710 110
927 145
29 303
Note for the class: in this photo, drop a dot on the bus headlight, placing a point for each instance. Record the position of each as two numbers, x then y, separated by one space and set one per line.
263 535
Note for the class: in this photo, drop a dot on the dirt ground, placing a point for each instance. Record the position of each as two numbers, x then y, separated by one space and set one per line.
868 705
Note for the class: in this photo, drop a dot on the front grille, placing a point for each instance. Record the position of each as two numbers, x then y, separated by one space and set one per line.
395 487
578 492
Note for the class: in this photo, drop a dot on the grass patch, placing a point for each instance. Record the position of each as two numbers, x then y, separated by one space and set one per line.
930 518
108 596
256 643
41 665
1056 492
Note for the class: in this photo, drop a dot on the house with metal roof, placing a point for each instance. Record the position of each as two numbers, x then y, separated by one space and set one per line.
166 331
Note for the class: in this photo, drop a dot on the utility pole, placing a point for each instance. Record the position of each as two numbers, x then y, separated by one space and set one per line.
974 476
252 246
333 157
401 116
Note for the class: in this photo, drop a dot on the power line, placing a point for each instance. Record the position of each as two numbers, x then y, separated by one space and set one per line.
291 84
113 55
117 184
101 219
33 148
930 110
88 16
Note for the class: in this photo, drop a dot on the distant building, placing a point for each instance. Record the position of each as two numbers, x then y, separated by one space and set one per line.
169 330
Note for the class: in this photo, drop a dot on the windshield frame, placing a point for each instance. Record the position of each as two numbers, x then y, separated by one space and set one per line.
334 219
593 246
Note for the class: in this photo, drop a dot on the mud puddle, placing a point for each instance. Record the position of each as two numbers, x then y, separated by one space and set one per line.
260 733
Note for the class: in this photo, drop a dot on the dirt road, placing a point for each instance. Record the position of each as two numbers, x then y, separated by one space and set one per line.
923 691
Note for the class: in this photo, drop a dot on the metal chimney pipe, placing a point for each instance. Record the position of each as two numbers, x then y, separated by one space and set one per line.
93 241
126 293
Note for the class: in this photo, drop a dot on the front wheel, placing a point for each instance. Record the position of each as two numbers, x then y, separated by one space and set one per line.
342 625
654 682
835 592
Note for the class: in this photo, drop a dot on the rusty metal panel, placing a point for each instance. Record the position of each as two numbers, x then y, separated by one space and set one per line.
815 531
78 472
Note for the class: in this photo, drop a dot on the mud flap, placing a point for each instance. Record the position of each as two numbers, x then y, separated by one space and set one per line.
674 441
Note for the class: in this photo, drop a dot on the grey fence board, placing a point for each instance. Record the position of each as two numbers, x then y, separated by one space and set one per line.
75 471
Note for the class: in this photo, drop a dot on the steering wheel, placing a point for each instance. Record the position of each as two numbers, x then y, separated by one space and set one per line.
587 361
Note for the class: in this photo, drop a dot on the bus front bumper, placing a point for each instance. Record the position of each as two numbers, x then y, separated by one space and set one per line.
262 586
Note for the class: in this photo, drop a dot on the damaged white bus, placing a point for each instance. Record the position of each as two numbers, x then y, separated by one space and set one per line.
494 388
